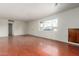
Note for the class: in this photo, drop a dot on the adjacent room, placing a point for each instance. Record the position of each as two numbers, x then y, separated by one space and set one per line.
39 29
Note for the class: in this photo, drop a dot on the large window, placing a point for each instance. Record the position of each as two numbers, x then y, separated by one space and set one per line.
49 25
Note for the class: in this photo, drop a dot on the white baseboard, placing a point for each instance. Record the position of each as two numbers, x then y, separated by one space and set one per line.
58 40
48 38
74 43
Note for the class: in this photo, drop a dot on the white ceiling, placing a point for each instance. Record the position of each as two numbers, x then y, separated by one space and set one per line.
32 11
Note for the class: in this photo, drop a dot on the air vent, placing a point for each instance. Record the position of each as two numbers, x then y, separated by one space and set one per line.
11 20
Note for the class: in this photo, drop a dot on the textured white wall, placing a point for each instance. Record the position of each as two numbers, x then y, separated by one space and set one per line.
67 19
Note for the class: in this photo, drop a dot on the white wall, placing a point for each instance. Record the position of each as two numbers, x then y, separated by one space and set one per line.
19 28
67 19
3 28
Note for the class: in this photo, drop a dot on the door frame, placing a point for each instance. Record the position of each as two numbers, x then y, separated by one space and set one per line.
10 29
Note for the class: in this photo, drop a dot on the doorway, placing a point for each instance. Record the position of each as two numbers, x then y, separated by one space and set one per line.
10 26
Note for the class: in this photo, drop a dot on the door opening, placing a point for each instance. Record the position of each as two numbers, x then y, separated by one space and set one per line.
10 29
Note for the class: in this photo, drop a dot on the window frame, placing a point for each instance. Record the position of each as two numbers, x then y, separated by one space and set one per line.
53 25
